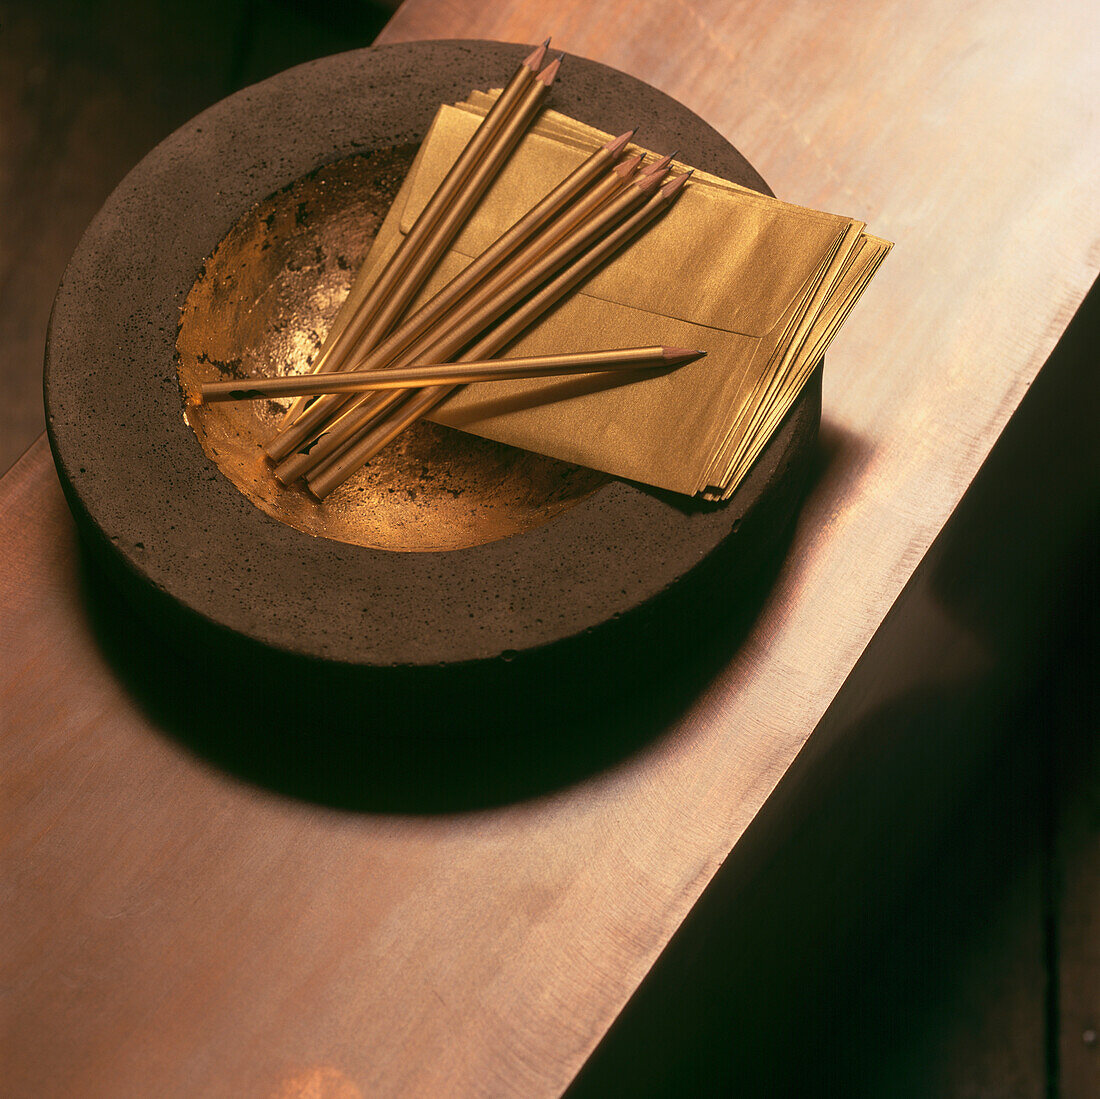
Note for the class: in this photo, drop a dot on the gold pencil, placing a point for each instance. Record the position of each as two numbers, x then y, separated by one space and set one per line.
446 194
460 373
456 215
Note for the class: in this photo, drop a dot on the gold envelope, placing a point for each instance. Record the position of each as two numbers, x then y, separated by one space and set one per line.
726 271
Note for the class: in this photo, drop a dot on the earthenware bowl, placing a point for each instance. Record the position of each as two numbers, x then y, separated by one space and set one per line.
237 236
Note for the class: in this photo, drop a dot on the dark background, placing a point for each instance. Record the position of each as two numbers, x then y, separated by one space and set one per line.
892 925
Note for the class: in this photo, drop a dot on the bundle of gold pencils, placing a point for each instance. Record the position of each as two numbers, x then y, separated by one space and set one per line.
576 227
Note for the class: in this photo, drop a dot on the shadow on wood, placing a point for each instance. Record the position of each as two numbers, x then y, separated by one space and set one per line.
448 738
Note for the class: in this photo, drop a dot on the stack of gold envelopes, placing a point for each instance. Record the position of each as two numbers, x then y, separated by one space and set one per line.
761 285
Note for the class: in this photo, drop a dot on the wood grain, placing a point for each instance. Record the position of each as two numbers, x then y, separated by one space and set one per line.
176 931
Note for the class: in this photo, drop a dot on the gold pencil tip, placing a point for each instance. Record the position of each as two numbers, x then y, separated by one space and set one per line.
674 185
616 146
659 165
547 75
651 180
681 355
626 168
534 59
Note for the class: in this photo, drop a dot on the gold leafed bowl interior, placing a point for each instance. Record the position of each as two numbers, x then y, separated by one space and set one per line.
262 304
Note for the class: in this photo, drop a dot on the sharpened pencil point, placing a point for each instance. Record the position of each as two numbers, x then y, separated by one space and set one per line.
681 355
626 168
651 180
660 165
547 75
535 58
674 184
619 143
